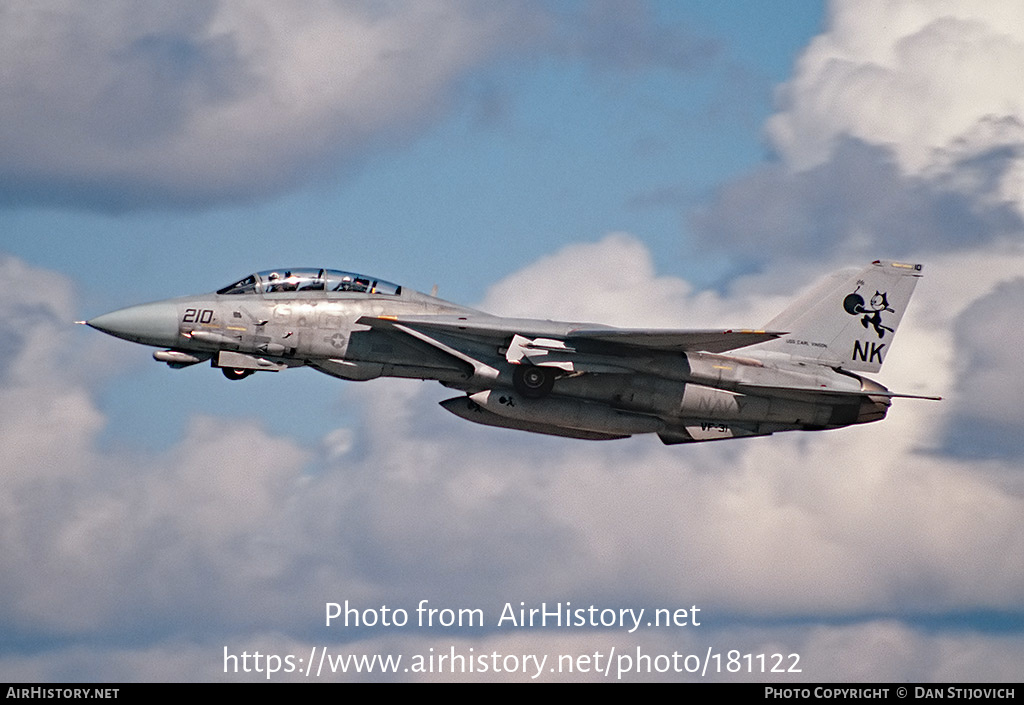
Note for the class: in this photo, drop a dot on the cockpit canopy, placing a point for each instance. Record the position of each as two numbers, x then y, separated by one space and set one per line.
274 281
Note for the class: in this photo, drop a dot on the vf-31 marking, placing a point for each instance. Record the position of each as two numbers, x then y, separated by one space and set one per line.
576 380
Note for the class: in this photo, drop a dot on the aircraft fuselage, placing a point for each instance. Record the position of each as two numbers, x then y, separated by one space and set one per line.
559 378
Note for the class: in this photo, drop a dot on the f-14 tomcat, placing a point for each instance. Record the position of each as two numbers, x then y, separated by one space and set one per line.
577 380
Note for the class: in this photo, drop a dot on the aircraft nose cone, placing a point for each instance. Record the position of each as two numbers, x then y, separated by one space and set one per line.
150 324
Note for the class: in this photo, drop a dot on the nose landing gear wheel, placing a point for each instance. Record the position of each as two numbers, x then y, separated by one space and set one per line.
533 382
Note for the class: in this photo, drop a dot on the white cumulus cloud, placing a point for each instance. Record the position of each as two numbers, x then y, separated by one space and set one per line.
120 105
935 81
235 536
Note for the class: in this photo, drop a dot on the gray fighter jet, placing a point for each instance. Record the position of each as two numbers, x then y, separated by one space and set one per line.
577 380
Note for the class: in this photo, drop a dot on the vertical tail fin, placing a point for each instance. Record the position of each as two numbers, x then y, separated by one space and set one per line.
850 319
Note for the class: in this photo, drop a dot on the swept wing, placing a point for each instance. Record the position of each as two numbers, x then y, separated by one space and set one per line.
493 327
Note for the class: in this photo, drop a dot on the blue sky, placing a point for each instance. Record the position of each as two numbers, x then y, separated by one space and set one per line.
679 164
530 151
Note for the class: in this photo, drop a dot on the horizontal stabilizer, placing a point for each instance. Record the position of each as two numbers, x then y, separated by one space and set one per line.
836 392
